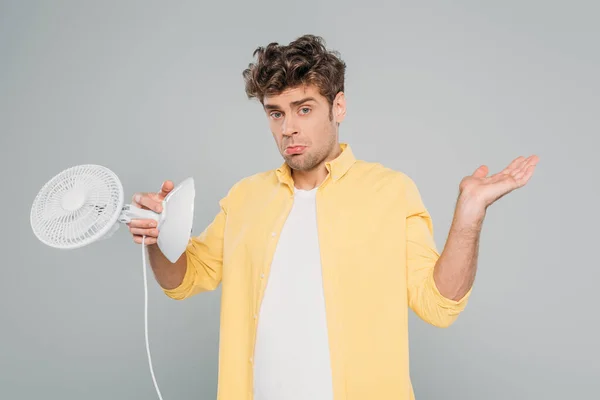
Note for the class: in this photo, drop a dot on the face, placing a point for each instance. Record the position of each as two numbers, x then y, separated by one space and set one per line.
304 126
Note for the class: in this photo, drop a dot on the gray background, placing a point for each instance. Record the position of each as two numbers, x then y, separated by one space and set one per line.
154 91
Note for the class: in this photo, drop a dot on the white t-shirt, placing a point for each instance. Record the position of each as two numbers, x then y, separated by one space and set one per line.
291 360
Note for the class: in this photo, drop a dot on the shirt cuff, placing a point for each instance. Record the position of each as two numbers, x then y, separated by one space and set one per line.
443 301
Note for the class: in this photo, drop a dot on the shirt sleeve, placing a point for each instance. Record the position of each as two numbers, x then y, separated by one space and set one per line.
204 255
424 298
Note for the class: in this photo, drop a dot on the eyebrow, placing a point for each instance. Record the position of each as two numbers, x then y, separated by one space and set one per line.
292 104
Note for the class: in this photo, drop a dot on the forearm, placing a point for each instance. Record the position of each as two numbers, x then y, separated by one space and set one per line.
168 275
455 270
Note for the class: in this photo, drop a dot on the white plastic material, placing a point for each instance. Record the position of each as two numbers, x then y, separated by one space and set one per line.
77 207
84 203
175 226
130 212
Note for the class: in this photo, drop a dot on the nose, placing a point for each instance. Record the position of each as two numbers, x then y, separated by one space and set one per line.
289 127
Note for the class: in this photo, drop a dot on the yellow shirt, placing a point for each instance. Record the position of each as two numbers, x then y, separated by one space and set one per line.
377 253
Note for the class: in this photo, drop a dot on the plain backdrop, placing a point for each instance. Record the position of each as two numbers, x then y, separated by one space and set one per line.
154 91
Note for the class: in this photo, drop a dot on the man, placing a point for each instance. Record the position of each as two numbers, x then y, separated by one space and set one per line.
321 258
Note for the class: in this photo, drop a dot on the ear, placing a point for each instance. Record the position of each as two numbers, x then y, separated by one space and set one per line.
339 107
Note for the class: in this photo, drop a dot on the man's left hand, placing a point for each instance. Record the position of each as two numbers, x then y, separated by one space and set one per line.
479 191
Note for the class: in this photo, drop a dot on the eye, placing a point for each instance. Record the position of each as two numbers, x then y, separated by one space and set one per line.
304 110
275 115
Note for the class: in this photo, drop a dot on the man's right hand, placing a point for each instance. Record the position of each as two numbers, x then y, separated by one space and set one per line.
148 201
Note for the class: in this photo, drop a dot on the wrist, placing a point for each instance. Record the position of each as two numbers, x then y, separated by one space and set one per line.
470 211
152 248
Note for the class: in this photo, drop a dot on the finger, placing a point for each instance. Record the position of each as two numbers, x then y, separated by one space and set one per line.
166 187
138 199
531 160
523 177
513 165
146 200
142 223
135 198
520 170
147 240
481 172
152 232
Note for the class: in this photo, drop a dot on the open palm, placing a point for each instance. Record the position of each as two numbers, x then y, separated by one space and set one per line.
488 189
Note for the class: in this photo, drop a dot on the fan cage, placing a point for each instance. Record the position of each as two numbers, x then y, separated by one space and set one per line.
60 227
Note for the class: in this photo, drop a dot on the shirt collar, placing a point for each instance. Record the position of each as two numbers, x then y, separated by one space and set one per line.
336 167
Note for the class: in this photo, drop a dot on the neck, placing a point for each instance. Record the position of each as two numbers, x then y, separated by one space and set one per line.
307 180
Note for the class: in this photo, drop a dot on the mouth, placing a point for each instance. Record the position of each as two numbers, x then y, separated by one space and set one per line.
290 150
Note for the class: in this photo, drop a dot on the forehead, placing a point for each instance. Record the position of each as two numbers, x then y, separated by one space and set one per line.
295 94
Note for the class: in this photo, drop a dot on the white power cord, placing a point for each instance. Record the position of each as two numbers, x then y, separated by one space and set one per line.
146 318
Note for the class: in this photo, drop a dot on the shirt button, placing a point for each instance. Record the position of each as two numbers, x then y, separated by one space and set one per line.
273 234
262 276
255 316
250 360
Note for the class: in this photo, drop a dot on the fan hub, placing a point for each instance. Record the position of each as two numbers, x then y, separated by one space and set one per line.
73 200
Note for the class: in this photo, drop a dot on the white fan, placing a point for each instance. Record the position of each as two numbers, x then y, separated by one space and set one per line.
84 203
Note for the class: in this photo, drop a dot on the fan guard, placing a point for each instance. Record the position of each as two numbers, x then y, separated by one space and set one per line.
78 206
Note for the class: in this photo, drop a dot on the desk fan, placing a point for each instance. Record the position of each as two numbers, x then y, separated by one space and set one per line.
84 204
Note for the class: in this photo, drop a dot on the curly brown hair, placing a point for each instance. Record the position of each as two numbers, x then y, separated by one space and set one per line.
304 61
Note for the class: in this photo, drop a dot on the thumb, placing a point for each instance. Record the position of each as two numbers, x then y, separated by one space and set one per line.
166 187
481 172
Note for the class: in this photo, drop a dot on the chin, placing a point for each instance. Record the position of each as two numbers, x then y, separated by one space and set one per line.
299 165
293 162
